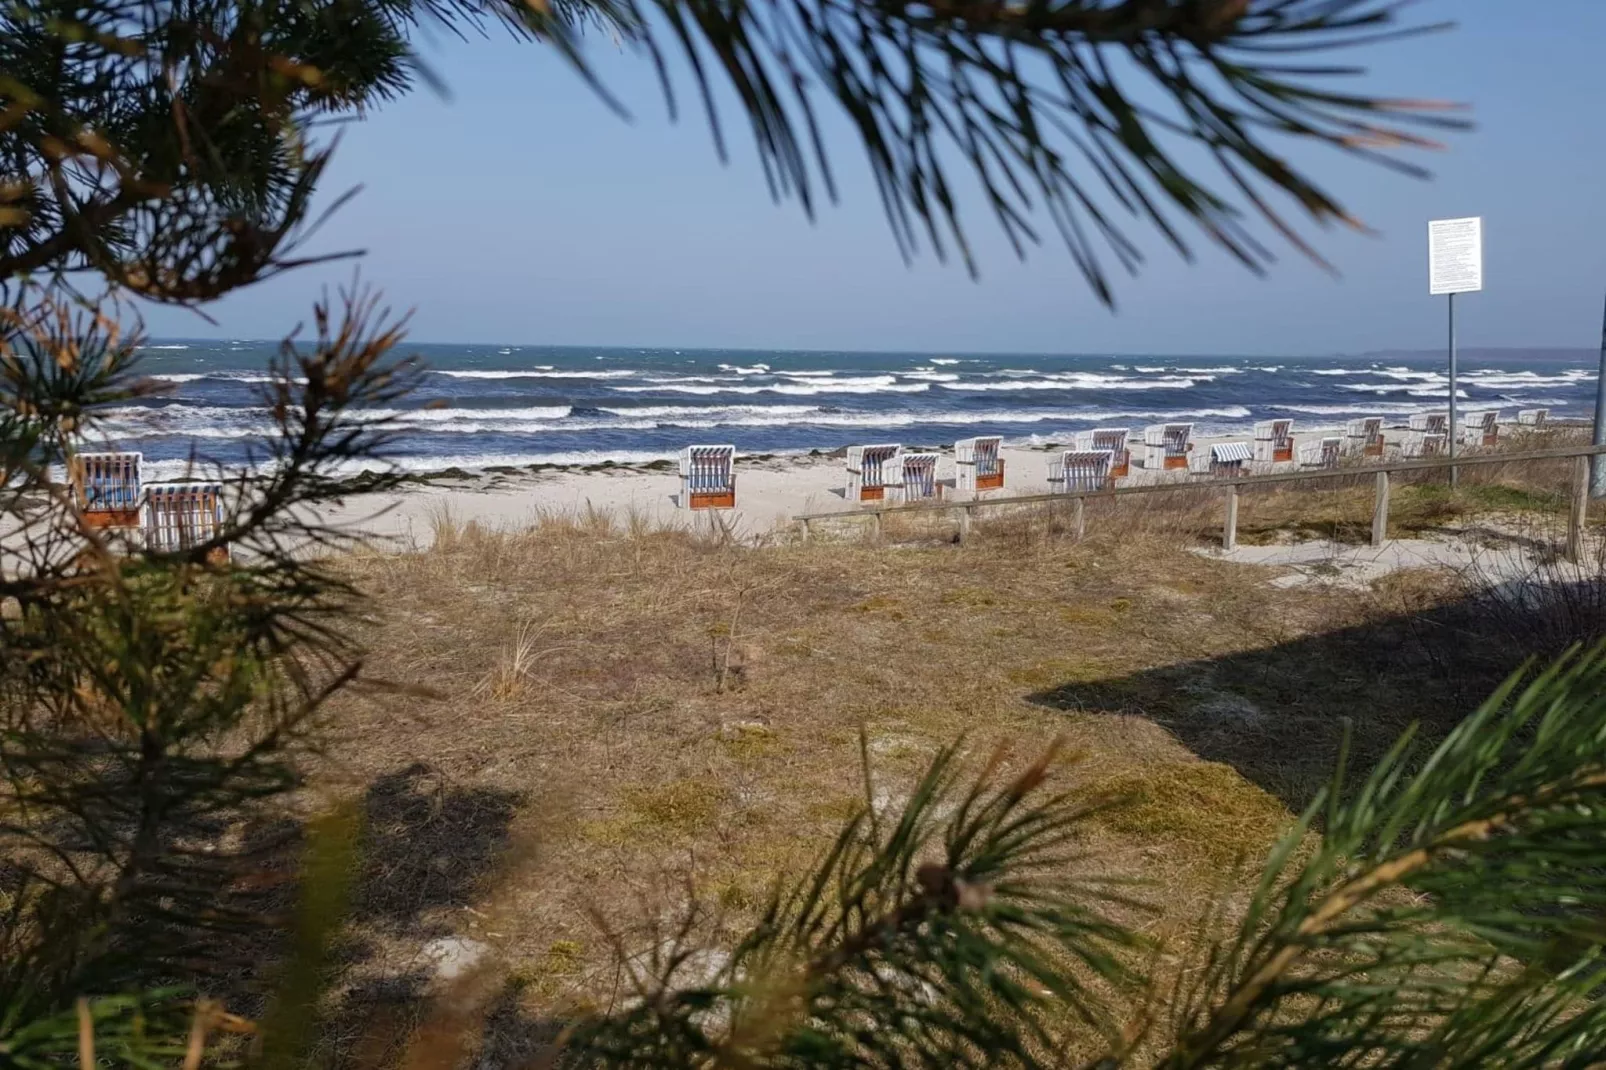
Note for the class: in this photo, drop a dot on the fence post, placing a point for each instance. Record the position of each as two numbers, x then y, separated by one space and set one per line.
1380 512
1081 519
803 530
964 524
1578 510
1229 533
875 525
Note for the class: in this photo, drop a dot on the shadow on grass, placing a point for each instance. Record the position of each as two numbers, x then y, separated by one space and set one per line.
1277 715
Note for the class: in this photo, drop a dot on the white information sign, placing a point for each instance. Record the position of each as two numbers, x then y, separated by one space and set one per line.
1455 255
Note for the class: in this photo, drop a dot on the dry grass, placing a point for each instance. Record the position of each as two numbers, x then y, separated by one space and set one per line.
623 710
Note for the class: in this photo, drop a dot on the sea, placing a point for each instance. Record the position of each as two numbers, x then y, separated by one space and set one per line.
484 406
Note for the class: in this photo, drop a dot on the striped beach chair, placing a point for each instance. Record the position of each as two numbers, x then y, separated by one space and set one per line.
912 477
1480 428
1322 454
1082 471
106 487
1222 459
1274 441
1420 444
1364 437
708 477
1166 446
181 516
978 464
1430 423
1533 419
868 467
1113 439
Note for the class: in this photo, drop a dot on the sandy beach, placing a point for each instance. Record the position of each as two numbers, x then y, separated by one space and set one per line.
769 492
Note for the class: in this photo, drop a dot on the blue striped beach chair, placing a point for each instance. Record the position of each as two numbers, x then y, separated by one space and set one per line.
182 516
1083 471
1222 459
868 470
708 477
978 465
912 477
1113 439
107 488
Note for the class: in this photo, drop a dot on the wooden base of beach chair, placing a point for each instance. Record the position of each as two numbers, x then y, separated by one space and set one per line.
1375 449
112 518
1173 463
1490 440
713 499
872 494
1282 454
992 482
1120 471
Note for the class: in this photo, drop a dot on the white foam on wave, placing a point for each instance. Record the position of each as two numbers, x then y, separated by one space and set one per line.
533 373
879 384
945 360
1360 408
1084 381
737 369
178 377
165 347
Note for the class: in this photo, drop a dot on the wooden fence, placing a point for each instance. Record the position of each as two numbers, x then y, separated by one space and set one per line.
1233 486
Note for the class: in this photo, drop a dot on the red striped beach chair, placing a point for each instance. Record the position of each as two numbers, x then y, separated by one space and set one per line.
182 516
1430 423
978 464
1274 441
868 469
1166 446
708 477
1113 439
106 487
1083 471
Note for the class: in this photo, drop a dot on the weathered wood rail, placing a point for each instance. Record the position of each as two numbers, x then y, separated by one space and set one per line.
1233 487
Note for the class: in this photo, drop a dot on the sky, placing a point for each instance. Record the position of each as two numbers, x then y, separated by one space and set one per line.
517 208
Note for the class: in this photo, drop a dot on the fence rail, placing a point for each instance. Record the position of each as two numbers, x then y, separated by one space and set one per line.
1233 486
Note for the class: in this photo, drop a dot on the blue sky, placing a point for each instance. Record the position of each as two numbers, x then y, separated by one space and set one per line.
521 210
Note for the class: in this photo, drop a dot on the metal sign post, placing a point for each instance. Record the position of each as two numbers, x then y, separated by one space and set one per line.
1597 464
1455 266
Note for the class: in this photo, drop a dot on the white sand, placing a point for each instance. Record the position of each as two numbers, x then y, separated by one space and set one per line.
768 494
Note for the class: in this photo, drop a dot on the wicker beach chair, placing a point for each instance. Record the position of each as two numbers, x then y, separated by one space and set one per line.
1364 437
978 465
708 477
106 487
1533 419
182 516
1430 423
912 477
1422 444
868 467
1323 453
1274 441
1082 471
1113 439
1166 446
1480 428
